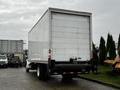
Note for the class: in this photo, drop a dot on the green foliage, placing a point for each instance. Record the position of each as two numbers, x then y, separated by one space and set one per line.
118 42
93 46
110 47
105 75
95 55
95 50
108 42
102 51
112 51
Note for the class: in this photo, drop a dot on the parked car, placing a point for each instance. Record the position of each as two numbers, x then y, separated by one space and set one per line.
3 61
15 62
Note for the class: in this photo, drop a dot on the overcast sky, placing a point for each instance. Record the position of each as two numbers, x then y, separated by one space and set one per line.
18 16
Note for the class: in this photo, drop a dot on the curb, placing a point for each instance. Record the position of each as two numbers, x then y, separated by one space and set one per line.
100 82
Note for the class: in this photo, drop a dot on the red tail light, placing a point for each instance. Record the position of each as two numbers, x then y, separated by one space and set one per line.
49 54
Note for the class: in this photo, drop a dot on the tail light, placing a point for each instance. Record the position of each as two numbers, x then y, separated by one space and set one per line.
49 54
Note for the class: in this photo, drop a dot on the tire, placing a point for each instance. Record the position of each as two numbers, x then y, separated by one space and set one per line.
42 72
5 66
38 72
27 70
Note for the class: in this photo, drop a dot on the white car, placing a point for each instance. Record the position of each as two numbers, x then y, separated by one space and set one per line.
3 61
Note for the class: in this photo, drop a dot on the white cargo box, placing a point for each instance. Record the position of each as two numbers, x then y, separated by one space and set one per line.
67 33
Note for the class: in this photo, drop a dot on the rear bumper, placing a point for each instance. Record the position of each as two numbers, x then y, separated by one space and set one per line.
71 68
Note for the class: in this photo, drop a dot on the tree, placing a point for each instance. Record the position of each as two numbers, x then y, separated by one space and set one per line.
118 42
94 60
108 42
95 52
93 46
110 47
102 51
112 51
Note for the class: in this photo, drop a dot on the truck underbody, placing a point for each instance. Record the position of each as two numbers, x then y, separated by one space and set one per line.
67 69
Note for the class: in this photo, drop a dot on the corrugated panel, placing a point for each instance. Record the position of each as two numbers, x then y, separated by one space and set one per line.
70 36
11 46
19 46
39 39
5 46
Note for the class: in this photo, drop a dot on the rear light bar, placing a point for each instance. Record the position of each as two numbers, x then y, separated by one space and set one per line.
49 54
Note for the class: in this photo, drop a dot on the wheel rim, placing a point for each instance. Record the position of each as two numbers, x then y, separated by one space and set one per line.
38 72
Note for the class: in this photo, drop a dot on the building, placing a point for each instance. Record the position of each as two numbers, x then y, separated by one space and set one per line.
14 47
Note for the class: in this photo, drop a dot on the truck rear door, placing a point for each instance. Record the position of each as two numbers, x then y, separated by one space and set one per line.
70 36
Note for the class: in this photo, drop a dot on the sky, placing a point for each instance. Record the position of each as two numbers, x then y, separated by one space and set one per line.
17 17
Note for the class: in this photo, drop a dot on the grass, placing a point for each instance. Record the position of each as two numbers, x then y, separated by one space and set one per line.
105 74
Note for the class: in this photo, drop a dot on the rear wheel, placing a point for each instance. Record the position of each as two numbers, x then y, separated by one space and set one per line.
42 72
38 72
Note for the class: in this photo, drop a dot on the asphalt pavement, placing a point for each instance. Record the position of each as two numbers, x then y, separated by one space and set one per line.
18 79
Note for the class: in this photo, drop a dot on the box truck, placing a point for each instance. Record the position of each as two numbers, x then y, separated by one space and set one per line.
59 42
